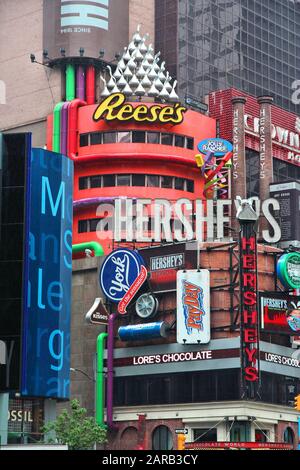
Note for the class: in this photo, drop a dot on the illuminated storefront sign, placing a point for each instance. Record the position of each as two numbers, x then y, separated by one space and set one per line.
202 355
114 108
288 270
118 272
249 310
279 359
219 147
280 313
238 445
47 276
280 136
193 307
163 262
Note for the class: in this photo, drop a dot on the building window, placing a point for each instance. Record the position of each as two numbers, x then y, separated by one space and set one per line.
108 181
138 180
123 180
82 226
109 138
83 183
96 138
138 137
166 182
288 436
93 225
162 438
124 137
153 137
179 141
153 181
127 137
84 140
252 172
190 143
205 435
190 186
261 435
167 139
95 181
179 184
284 171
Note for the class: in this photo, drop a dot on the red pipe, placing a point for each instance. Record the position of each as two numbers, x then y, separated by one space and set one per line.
90 85
73 126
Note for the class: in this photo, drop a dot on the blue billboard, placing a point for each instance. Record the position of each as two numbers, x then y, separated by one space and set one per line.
47 276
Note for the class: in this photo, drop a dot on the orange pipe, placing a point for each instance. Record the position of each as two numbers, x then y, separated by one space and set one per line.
90 85
73 126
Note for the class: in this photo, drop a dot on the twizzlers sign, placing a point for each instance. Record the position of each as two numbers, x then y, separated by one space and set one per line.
249 311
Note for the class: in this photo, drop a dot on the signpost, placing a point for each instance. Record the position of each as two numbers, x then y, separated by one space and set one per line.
97 315
181 431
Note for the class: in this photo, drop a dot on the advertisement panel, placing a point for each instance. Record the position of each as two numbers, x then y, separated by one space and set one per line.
193 307
118 273
163 262
280 313
92 26
249 327
288 217
47 276
15 150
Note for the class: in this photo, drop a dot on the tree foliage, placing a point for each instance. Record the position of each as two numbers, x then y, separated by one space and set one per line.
75 429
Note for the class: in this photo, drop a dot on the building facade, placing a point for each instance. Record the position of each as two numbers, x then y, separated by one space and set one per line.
245 44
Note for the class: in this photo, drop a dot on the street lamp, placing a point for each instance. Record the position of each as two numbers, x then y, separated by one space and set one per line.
74 369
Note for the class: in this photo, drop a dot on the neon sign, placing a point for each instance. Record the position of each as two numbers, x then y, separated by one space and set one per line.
114 108
249 310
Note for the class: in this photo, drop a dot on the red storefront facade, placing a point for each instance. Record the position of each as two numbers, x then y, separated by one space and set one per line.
103 170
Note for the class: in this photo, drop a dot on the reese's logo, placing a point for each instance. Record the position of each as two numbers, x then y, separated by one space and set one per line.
115 108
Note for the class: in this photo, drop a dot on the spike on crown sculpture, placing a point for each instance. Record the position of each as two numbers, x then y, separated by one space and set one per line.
139 73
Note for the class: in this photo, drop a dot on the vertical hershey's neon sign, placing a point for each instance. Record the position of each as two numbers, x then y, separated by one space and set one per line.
249 312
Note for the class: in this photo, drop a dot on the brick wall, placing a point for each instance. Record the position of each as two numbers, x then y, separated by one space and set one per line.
127 436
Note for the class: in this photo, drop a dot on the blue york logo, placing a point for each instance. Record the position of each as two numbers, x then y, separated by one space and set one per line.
119 270
217 146
192 300
92 13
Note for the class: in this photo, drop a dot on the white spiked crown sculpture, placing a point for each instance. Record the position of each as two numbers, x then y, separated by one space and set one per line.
139 73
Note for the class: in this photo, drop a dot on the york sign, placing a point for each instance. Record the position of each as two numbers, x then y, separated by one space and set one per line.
118 272
114 108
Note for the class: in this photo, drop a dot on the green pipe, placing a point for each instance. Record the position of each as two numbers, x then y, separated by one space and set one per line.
94 246
56 127
70 82
100 380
